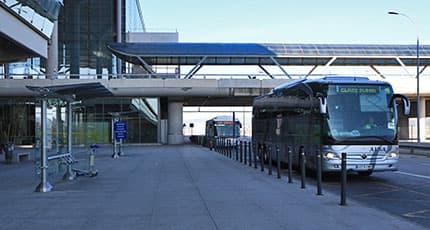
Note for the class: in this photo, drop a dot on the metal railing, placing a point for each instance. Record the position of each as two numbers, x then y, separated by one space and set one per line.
91 76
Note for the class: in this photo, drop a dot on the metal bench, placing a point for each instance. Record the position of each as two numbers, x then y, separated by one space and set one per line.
64 158
20 156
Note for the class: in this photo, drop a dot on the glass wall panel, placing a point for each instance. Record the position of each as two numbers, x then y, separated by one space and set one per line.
85 28
17 121
92 120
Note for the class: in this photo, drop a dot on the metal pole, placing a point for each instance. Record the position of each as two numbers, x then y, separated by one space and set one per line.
278 163
234 125
44 185
302 167
343 182
418 71
236 147
270 159
245 152
319 173
225 147
229 148
261 154
290 165
418 92
58 126
254 153
241 153
69 175
250 154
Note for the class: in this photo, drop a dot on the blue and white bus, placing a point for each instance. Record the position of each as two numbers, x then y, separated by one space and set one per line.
333 115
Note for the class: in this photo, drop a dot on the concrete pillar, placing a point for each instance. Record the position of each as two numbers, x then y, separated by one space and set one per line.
175 123
403 127
52 61
422 119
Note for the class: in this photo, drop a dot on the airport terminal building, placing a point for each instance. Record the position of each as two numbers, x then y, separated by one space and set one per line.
82 30
146 78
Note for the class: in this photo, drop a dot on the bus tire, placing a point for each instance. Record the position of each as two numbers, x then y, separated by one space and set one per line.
365 174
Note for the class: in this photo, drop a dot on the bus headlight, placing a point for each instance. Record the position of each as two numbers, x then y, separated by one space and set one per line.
330 156
392 155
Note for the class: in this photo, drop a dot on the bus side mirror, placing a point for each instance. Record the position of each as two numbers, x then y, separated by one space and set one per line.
406 103
323 103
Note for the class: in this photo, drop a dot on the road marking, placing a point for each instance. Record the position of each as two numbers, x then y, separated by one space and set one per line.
414 175
419 214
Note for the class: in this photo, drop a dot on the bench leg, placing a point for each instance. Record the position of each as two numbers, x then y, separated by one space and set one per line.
69 175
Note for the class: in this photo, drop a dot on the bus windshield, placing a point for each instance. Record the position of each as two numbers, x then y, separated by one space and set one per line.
361 112
226 130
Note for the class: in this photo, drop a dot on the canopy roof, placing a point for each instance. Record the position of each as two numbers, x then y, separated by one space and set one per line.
73 91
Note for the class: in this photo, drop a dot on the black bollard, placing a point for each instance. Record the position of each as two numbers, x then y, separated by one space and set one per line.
319 173
278 163
229 148
254 153
244 152
241 152
249 154
261 155
270 159
302 167
343 182
290 165
226 147
221 145
236 148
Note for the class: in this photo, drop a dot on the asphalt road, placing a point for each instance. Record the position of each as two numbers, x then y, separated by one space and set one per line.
404 193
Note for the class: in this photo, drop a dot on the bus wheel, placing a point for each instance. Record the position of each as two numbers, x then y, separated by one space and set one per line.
367 173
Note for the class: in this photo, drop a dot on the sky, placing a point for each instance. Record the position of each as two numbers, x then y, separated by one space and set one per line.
288 21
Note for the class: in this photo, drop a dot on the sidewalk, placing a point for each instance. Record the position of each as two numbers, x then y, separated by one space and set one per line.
176 187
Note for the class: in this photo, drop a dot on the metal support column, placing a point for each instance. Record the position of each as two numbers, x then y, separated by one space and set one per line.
69 175
44 185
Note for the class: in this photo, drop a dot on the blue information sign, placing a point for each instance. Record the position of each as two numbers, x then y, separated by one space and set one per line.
120 129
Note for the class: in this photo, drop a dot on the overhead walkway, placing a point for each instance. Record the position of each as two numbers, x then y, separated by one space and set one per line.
281 55
26 28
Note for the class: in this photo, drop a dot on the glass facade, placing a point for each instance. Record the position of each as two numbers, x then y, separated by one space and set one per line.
40 14
17 121
85 28
92 121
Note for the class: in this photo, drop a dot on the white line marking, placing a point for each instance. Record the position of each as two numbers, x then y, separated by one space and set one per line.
414 175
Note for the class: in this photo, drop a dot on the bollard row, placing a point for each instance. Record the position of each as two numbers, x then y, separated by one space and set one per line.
250 154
